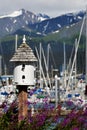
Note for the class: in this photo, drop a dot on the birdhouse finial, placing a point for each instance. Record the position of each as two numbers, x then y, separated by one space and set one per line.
24 39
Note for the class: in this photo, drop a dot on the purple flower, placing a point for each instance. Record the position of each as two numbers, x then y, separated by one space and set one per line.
85 125
66 122
85 112
81 120
69 103
6 109
75 128
72 115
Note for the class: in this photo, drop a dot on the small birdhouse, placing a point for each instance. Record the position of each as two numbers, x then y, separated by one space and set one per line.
24 59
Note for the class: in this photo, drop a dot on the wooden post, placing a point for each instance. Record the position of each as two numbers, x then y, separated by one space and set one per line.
22 103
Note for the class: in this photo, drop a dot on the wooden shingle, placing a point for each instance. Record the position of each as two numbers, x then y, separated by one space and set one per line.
24 53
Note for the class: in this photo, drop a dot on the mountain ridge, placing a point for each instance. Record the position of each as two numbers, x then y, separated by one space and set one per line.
12 22
55 31
40 23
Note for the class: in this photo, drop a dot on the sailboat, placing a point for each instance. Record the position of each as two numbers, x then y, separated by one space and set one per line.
86 58
7 87
81 87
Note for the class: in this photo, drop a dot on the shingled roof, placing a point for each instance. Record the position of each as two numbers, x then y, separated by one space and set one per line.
24 53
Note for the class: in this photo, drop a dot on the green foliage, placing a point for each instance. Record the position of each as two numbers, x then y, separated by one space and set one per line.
56 41
4 122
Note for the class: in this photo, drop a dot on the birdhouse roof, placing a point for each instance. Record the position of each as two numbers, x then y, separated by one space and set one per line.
24 53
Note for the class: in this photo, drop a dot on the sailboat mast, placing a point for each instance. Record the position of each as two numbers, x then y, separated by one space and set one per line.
41 69
86 46
16 37
5 67
76 51
48 57
40 65
75 60
0 65
48 78
64 66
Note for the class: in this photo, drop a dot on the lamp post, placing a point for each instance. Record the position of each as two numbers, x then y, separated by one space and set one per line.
57 91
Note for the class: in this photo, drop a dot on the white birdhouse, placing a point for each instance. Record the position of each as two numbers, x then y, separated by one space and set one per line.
24 71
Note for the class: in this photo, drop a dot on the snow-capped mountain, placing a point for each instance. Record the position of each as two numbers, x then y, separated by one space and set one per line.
40 23
42 17
18 19
14 14
53 25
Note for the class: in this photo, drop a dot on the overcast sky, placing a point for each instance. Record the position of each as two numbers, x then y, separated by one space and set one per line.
49 7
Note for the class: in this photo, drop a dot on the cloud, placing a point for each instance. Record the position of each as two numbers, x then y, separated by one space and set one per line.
51 7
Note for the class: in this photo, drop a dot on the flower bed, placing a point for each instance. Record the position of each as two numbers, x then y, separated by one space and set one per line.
46 118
